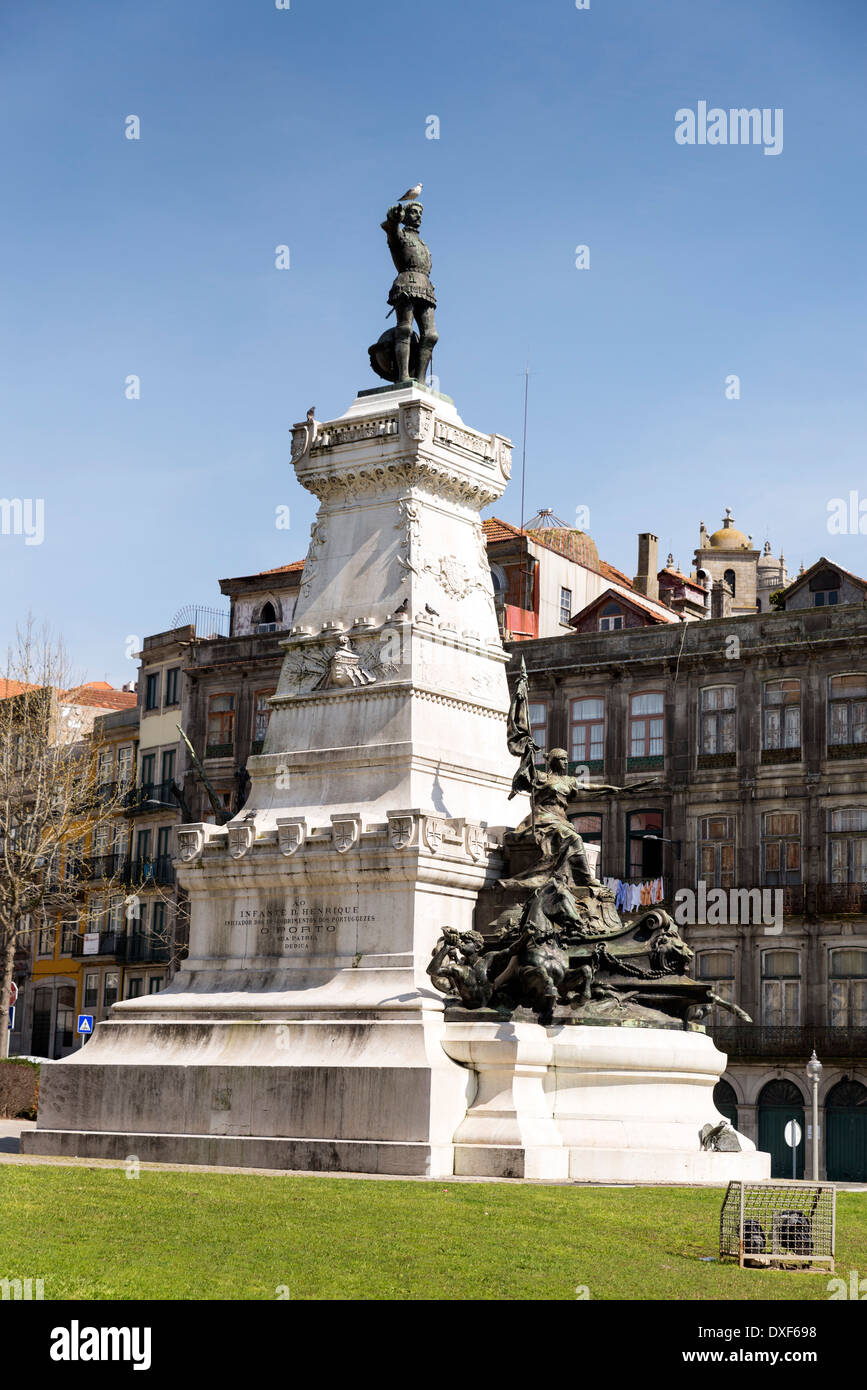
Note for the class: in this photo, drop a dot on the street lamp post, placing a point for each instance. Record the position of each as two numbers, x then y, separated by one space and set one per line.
814 1076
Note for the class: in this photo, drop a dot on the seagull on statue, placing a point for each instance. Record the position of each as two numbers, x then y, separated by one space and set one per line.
410 195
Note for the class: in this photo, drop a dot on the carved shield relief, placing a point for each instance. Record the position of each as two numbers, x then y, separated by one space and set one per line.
191 842
291 834
240 839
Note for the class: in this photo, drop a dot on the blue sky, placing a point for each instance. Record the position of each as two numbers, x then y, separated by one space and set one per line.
262 127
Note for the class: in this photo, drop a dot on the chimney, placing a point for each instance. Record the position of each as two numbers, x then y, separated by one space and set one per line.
720 600
646 580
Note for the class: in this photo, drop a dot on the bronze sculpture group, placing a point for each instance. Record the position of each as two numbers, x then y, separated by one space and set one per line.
561 953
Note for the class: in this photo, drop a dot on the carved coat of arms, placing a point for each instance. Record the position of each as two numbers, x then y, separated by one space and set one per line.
291 834
191 842
401 831
345 832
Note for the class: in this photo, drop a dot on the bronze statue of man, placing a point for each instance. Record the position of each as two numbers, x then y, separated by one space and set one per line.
412 294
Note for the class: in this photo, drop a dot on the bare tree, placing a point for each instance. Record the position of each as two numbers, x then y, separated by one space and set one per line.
51 799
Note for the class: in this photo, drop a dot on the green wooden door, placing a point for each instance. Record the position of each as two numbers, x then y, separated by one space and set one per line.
779 1102
846 1131
726 1102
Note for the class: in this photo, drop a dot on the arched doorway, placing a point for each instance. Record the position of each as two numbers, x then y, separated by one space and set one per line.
846 1132
726 1101
779 1102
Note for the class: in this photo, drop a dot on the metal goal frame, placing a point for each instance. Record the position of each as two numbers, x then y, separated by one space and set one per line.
779 1225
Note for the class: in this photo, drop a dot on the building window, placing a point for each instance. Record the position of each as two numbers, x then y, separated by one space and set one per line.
158 922
611 618
152 691
717 721
110 988
825 588
135 988
267 619
587 732
124 766
68 937
644 845
847 705
781 989
716 851
538 716
155 983
565 605
729 577
848 988
148 771
261 717
781 848
91 991
45 939
63 1034
717 969
167 772
590 830
221 726
781 714
144 868
173 682
646 725
847 845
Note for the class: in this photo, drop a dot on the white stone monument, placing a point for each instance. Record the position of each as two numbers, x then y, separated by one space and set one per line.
303 1031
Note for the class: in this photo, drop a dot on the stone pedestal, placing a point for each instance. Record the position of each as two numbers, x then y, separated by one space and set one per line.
593 1104
303 1031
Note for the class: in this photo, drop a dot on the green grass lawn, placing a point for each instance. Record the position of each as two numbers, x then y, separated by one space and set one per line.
93 1233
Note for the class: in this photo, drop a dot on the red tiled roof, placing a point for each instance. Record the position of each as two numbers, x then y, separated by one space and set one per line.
682 578
610 572
632 599
8 688
284 569
496 530
99 695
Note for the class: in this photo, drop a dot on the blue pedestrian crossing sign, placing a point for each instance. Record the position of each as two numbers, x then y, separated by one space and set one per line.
85 1023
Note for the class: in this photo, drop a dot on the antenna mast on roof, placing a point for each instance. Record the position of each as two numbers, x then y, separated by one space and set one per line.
524 444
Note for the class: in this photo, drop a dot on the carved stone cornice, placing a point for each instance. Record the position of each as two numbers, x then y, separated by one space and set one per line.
440 479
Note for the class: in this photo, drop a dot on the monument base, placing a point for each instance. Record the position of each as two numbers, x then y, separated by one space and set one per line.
324 1095
593 1104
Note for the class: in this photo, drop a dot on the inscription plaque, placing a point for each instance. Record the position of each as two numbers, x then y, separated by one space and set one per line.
300 925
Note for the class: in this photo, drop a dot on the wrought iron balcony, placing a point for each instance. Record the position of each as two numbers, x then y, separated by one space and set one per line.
143 948
109 944
158 870
824 898
104 865
755 1042
150 797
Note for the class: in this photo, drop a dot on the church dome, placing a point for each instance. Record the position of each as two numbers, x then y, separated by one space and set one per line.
729 537
767 561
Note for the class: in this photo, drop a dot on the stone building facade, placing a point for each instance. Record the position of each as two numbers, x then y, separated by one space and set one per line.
756 729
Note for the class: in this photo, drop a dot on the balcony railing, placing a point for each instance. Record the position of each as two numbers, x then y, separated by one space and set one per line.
752 1040
104 865
108 944
142 872
819 898
150 796
134 948
140 947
